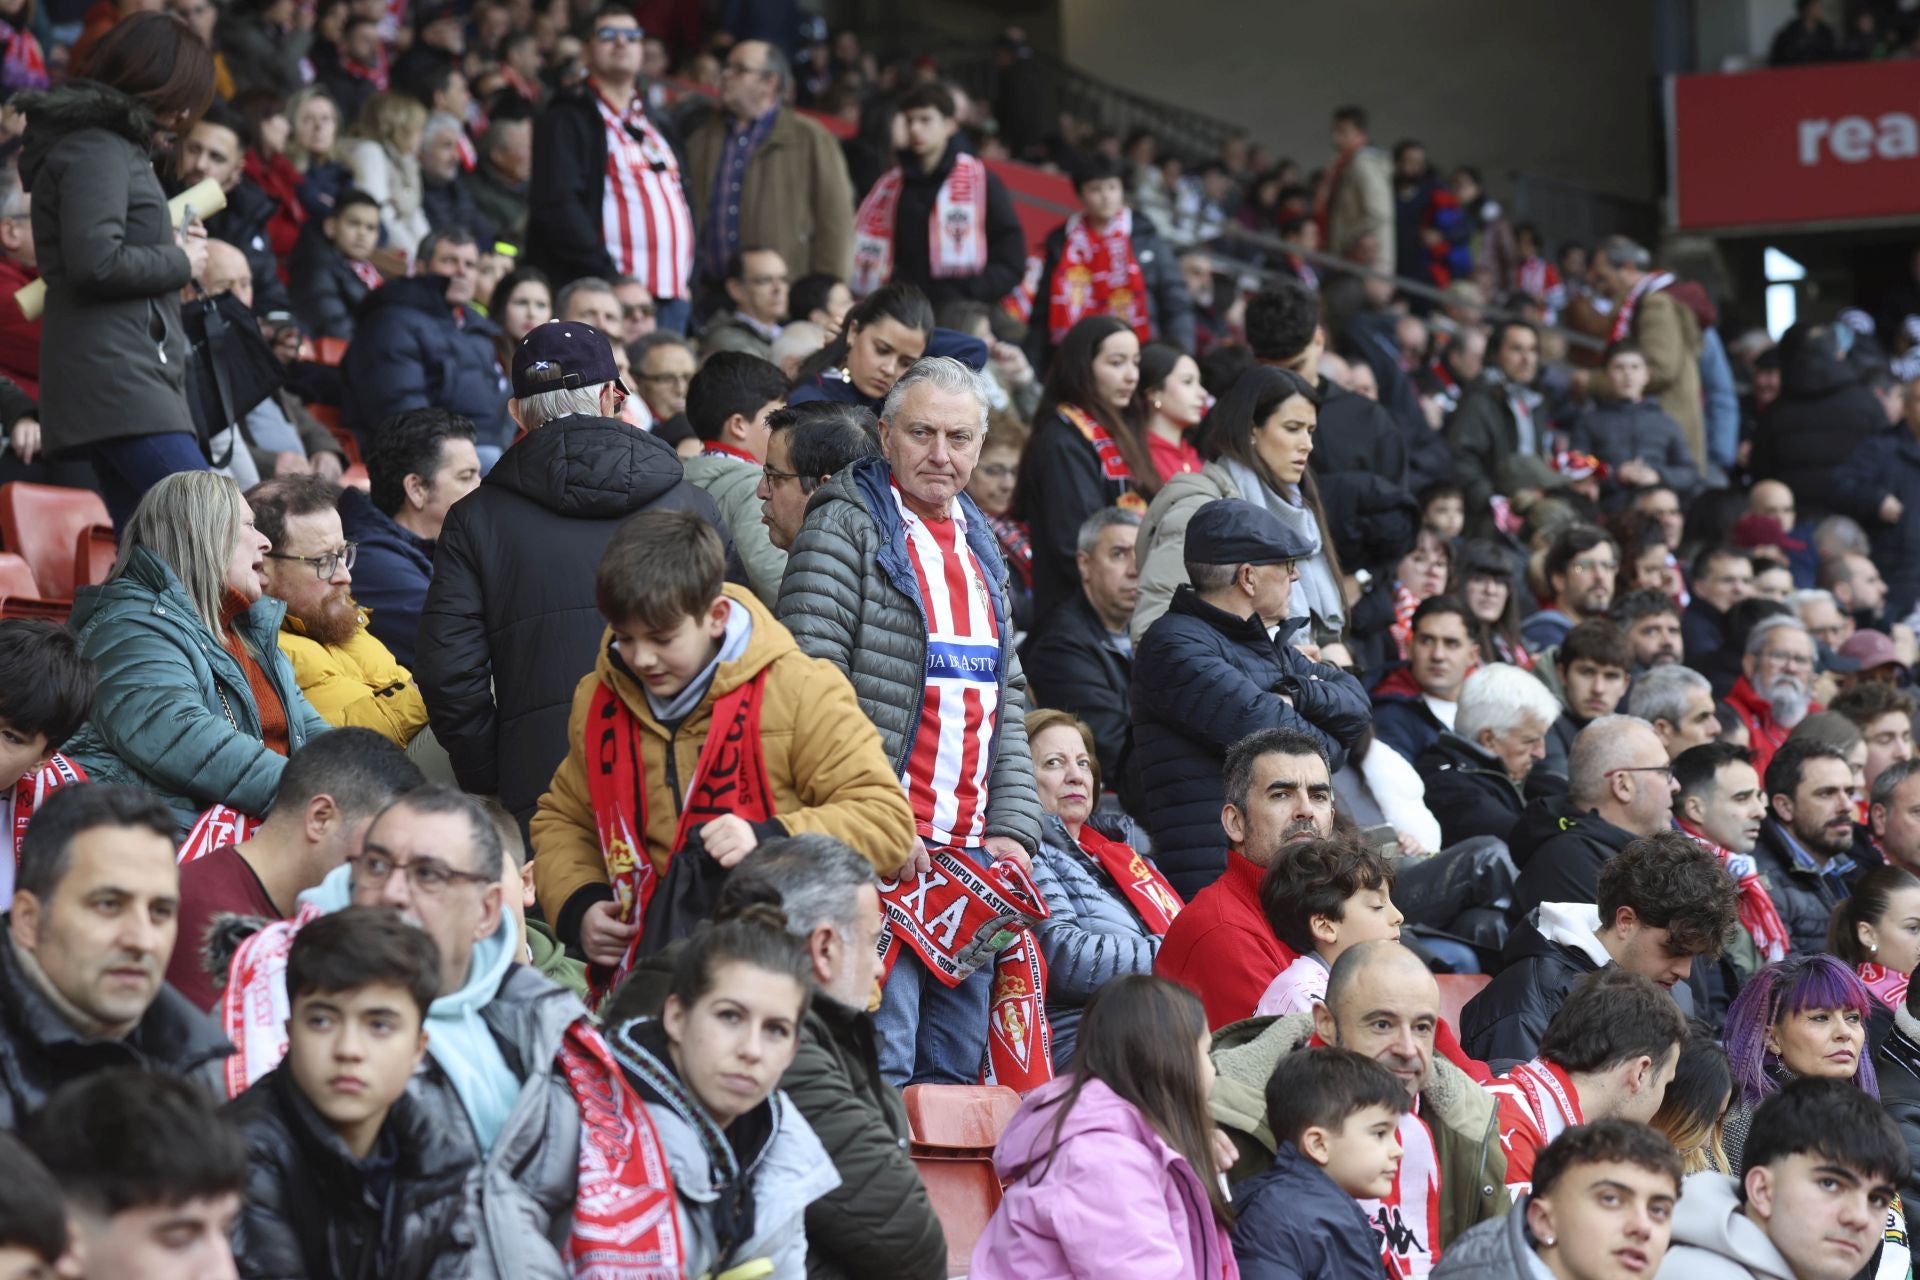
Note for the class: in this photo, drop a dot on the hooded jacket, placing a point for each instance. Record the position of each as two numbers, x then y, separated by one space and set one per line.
1104 1185
1495 1250
510 623
114 356
825 768
1714 1240
1549 951
1823 413
390 574
409 352
1560 849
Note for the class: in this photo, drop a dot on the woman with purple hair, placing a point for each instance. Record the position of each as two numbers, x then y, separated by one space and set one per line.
1802 1016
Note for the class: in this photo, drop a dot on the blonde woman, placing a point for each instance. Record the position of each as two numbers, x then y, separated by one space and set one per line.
313 148
385 155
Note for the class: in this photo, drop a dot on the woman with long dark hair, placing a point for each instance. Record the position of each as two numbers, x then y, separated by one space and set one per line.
1174 404
1877 931
1111 1170
1484 580
521 301
884 333
1087 452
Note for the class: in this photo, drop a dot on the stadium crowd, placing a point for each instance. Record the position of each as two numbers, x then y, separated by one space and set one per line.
657 629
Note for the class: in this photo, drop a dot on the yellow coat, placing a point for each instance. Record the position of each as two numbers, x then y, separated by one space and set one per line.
357 684
825 766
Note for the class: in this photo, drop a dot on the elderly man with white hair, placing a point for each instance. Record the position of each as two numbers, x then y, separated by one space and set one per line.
1480 775
1775 689
897 579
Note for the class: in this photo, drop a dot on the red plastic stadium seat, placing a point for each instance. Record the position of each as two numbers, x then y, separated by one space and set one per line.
959 1117
964 1192
1455 990
93 555
955 1128
329 351
43 524
20 594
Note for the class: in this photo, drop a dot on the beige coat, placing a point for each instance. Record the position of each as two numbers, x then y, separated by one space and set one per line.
1669 334
1362 205
797 197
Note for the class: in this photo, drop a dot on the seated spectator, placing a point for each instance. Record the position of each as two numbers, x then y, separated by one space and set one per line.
46 692
151 1175
1624 1166
1775 689
331 271
1588 672
1335 1117
66 1012
341 1162
589 300
1633 435
1721 578
1619 787
499 181
1695 1101
419 344
1278 794
807 445
1877 931
885 333
1443 509
333 788
1483 577
509 622
756 284
992 487
344 671
196 702
1802 1016
1651 620
1114 1161
421 463
1662 901
686 665
446 199
1896 1064
1417 703
1108 905
1805 850
1323 898
1858 590
19 336
1884 714
1815 1202
1678 702
1207 674
1420 575
799 342
35 1237
1579 570
1720 803
383 150
1500 416
728 405
1081 662
1480 775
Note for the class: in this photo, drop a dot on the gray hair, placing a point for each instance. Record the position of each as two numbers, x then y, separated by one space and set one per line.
1890 779
1843 533
538 410
1099 522
819 879
574 288
190 520
1500 697
438 123
1759 637
1602 747
13 196
1661 694
799 338
942 373
487 855
1798 600
1621 251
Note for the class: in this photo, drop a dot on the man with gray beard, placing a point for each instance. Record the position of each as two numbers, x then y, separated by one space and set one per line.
1775 689
1804 854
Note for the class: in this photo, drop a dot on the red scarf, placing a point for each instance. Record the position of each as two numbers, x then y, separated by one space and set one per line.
217 828
1652 282
33 789
1015 544
731 777
624 1222
1113 463
1889 986
1138 880
1757 913
956 227
369 274
1098 277
24 66
1404 607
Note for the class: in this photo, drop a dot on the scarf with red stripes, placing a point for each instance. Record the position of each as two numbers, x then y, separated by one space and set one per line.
1652 282
956 229
1152 898
1758 915
1098 276
1113 463
33 789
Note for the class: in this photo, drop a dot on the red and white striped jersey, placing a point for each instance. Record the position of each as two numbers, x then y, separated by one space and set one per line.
643 213
946 777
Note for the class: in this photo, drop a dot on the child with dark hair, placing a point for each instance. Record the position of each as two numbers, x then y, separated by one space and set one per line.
1335 1117
33 1218
46 692
1322 898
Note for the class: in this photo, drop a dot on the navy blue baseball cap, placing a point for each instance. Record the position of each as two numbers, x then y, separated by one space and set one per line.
561 355
1230 531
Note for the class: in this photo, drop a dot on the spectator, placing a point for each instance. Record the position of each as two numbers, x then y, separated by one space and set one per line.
972 245
1805 850
1896 1066
1695 1101
1721 578
214 150
1884 714
332 270
1323 898
19 336
419 344
1588 672
1824 414
799 342
887 545
1116 1160
1500 415
1775 689
196 701
807 445
822 298
152 1178
501 183
1176 402
333 788
48 692
1651 621
356 67
1417 703
889 330
1081 662
1640 444
1632 1170
34 1230
1580 570
1858 591
67 1014
1804 38
729 403
1480 775
1876 485
663 364
1354 203
521 301
756 284
421 463
1649 311
1877 931
86 149
589 300
509 620
1106 262
1430 232
313 148
384 155
1208 674
1720 804
445 199
1661 901
1483 578
264 46
1895 815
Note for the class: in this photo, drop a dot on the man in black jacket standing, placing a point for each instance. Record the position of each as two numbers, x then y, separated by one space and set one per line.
510 624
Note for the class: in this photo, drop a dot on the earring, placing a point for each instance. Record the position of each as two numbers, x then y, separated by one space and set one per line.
1156 405
1873 948
1546 1242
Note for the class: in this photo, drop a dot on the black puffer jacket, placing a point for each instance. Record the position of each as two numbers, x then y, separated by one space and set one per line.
1805 899
243 224
408 352
1469 791
1072 665
510 624
1884 467
1541 962
1202 680
1823 414
1897 1063
1356 434
1560 849
326 292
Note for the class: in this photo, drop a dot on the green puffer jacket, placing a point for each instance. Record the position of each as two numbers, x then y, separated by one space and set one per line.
174 713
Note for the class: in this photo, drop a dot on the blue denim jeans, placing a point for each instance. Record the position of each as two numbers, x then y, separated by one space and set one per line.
931 1033
130 465
672 314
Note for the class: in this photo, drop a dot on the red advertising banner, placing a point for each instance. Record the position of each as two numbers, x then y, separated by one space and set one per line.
1823 144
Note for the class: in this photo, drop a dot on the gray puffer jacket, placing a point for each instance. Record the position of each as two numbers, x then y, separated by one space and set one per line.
850 596
1495 1250
1092 935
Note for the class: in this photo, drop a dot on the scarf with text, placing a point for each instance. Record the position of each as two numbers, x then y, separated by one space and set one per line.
33 789
1138 880
1758 915
1113 463
1889 986
1652 282
217 828
731 778
956 230
625 1226
253 1006
1098 277
1019 1048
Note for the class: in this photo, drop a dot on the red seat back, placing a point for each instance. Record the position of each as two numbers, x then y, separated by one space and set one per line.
1455 990
964 1193
20 594
43 524
958 1117
329 351
93 555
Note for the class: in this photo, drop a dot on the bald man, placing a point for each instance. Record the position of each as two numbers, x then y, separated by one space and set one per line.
1382 1002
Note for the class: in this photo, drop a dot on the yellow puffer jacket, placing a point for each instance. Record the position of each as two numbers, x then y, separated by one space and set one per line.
358 684
825 766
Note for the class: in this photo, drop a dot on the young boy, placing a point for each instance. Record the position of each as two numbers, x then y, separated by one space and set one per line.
1443 509
46 693
1335 1116
1639 443
341 1164
1322 898
33 1218
331 269
702 730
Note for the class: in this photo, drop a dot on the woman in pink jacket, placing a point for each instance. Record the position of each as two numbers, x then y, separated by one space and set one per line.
1112 1171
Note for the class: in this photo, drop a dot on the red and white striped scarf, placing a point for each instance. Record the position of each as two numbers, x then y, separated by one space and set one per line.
217 828
1652 282
643 212
1537 1103
956 229
1758 915
33 789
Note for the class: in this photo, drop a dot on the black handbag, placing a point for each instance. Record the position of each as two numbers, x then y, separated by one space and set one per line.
686 895
230 368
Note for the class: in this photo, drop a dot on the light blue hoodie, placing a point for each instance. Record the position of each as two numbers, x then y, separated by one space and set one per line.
457 1037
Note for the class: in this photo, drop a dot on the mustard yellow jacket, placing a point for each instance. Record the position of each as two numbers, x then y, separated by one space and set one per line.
358 684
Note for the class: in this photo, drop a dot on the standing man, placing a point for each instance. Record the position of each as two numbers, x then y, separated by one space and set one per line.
761 174
1354 204
938 220
1663 327
897 580
606 197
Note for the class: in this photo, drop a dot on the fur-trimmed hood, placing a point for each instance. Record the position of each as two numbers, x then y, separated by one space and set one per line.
74 107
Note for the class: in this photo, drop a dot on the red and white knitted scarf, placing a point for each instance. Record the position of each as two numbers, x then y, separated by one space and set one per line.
956 229
1758 915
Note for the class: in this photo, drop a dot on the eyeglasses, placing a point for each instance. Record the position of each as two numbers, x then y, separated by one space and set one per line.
428 876
682 379
619 35
999 471
636 310
775 475
1666 769
1788 659
327 563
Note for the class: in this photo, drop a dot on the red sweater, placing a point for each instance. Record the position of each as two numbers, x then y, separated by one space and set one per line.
1765 733
1221 948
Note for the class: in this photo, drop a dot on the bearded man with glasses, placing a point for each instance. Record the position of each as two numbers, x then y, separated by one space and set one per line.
1775 689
